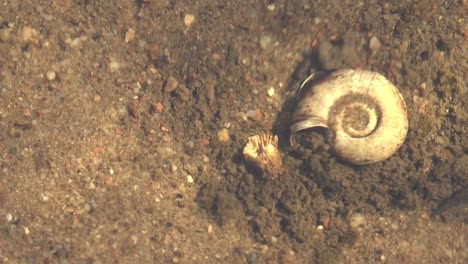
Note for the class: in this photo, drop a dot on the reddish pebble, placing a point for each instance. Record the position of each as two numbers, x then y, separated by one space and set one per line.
158 107
204 141
216 57
96 150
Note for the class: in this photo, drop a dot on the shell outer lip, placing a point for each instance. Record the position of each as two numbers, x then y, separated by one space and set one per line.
309 81
305 124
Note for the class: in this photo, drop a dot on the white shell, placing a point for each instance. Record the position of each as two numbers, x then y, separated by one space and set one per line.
365 112
261 152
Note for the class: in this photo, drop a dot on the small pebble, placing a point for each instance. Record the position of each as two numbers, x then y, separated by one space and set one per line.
164 152
9 217
26 231
271 91
265 41
189 179
27 55
76 42
136 87
440 140
274 239
374 44
129 35
44 197
171 84
5 34
255 115
189 19
357 222
216 57
28 34
423 86
252 258
223 135
271 7
97 98
51 75
114 66
134 238
158 107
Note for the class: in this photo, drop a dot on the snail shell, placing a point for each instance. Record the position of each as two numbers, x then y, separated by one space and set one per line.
365 112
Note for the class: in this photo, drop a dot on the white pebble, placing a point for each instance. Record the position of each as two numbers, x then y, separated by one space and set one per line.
51 75
74 42
129 35
189 19
189 179
114 66
45 198
271 91
134 238
223 135
9 217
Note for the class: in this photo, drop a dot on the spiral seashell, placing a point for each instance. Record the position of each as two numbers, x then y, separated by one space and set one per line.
365 112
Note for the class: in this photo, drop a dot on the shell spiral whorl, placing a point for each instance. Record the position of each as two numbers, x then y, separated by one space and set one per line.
356 114
365 112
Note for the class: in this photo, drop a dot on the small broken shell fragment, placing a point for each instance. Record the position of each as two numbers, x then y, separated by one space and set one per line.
261 152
